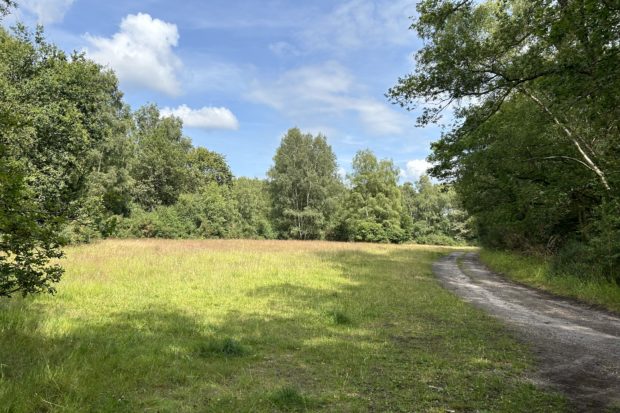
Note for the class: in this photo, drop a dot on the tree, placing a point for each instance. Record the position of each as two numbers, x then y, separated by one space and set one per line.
254 207
55 110
304 184
373 208
160 169
534 152
562 56
436 214
208 166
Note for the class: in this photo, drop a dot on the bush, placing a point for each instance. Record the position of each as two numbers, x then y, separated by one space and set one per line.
437 239
162 222
597 252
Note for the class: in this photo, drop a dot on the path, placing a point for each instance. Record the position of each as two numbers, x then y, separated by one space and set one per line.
577 348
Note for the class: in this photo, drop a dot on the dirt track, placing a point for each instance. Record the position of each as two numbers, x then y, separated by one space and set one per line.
577 348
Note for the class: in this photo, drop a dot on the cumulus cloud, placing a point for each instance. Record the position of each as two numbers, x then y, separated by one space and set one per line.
204 118
327 90
141 53
415 169
47 11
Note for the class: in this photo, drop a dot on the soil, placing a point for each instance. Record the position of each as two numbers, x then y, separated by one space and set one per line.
577 348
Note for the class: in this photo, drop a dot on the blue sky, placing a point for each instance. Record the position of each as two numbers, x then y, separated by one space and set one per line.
241 72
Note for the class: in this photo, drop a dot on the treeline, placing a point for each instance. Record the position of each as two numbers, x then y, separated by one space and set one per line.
76 164
535 150
157 185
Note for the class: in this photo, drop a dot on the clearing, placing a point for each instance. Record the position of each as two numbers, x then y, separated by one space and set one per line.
260 326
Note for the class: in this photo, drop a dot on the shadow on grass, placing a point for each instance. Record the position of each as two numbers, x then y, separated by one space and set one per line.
397 342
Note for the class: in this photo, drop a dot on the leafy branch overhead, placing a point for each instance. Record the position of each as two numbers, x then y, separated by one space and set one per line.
561 55
535 146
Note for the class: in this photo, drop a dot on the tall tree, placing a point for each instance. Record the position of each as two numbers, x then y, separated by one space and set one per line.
304 184
373 209
160 168
55 111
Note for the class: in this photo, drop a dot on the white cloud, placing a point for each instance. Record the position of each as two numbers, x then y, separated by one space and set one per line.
141 53
327 90
415 169
204 118
362 23
47 11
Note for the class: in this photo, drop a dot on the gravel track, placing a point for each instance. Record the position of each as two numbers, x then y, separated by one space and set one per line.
577 348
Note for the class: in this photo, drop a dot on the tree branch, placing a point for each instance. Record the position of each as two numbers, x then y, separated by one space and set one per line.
573 137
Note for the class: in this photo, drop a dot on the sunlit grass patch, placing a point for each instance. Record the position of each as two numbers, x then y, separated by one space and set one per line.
226 326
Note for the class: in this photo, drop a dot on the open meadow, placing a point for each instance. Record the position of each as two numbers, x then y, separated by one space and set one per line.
253 326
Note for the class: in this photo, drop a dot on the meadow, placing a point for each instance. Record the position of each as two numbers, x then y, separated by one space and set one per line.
258 326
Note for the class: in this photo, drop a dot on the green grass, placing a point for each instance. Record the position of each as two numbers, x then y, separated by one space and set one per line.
257 326
537 272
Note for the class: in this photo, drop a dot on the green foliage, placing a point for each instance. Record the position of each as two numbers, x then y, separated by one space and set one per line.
596 253
207 166
161 222
218 213
210 213
254 206
543 272
55 112
373 209
535 151
304 185
5 7
161 156
436 214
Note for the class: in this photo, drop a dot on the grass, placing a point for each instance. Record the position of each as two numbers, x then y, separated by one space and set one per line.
257 326
536 272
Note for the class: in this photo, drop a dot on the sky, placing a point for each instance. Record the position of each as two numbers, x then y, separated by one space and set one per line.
240 73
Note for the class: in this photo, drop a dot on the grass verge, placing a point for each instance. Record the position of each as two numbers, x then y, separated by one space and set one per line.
536 272
257 326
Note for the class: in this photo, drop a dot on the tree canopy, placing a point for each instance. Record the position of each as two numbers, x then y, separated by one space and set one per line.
304 183
534 149
55 111
373 206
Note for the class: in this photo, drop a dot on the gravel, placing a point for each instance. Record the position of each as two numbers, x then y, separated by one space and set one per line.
577 348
